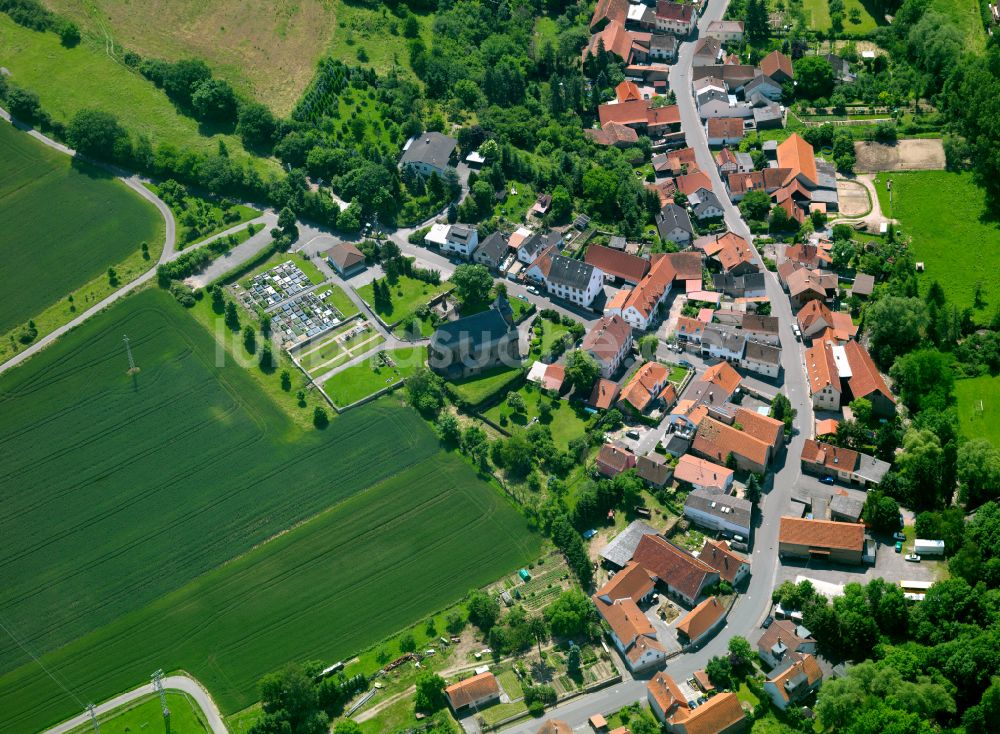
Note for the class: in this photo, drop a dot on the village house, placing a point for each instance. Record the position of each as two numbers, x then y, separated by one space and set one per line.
648 387
721 714
608 341
839 374
714 101
654 470
724 130
815 319
613 459
689 330
827 540
707 51
674 224
698 624
752 440
620 550
777 66
769 180
492 251
462 239
731 567
727 31
762 90
473 693
722 342
675 18
783 639
703 475
761 358
663 47
429 153
469 345
617 265
705 205
728 161
613 134
794 680
761 328
751 285
631 633
682 575
769 117
632 582
573 280
639 305
719 512
346 259
604 394
630 46
825 460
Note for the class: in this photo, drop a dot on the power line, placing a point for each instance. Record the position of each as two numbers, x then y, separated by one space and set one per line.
40 664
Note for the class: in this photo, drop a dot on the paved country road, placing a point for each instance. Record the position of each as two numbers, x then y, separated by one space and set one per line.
172 682
239 255
752 606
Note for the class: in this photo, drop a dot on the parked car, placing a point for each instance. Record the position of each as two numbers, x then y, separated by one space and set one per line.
901 523
531 289
767 622
684 363
912 557
632 433
522 296
898 536
899 546
826 480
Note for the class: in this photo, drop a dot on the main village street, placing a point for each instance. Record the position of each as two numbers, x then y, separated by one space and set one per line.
751 607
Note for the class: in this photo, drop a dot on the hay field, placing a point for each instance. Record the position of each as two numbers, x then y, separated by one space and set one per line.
63 225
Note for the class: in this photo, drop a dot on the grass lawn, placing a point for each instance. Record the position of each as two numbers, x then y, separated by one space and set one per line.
551 333
339 300
746 695
371 375
70 79
187 466
970 393
267 50
966 16
520 308
943 213
147 717
568 420
198 219
408 294
326 354
677 373
818 16
476 389
500 711
64 224
515 207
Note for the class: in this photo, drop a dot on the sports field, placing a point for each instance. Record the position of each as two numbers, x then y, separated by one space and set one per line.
979 407
142 487
944 214
63 225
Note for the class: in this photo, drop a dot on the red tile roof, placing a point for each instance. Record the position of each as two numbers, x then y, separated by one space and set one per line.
725 127
704 473
832 457
664 690
613 460
865 378
822 533
700 619
674 11
776 62
802 674
762 427
645 385
673 566
632 582
607 337
821 367
609 10
691 182
472 689
624 113
796 154
626 91
613 133
625 619
617 263
667 115
604 394
717 440
721 713
716 554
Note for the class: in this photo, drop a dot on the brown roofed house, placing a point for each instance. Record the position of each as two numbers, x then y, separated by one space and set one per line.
725 130
616 263
613 134
839 542
701 621
867 382
683 574
479 690
777 66
654 470
721 714
783 637
794 680
632 582
613 459
555 726
607 11
797 155
731 567
664 695
645 387
609 341
716 441
345 258
604 394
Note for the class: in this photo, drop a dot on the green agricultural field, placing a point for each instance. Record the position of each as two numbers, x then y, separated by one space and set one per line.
321 591
179 469
64 224
371 375
943 212
147 717
70 79
408 294
979 407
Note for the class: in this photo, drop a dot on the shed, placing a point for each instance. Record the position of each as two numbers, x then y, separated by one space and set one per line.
523 573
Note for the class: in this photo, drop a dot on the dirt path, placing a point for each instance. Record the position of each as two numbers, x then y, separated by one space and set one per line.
874 219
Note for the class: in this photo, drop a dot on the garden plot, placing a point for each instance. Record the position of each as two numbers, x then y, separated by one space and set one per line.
266 290
338 347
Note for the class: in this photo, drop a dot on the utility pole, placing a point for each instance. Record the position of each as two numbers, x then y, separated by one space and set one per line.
158 685
132 369
93 718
